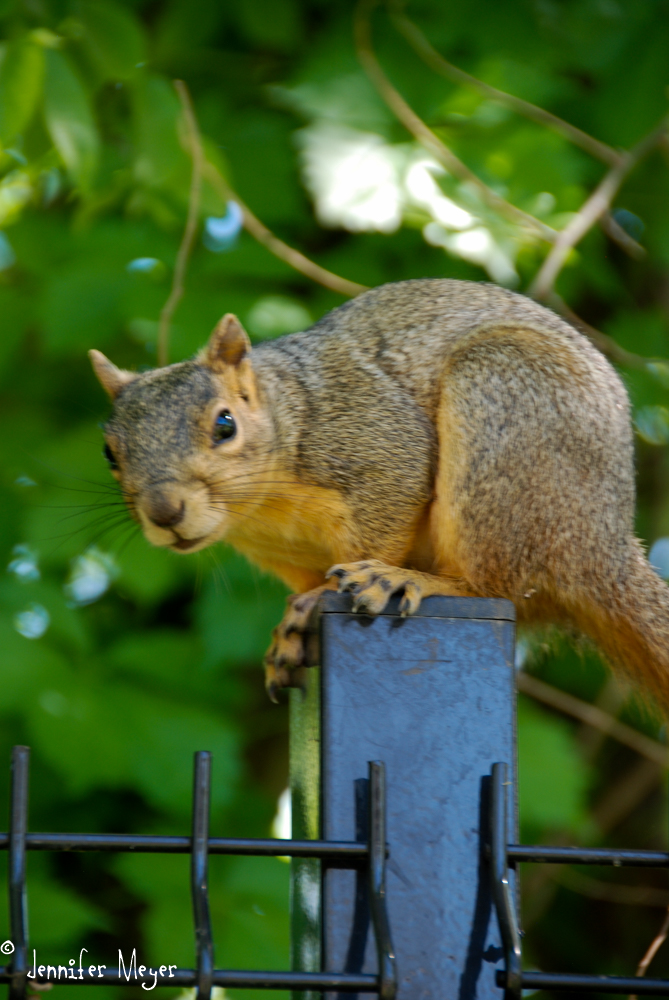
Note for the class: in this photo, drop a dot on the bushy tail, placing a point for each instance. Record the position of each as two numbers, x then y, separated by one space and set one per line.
631 626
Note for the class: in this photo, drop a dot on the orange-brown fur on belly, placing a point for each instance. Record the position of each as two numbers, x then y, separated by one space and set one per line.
298 533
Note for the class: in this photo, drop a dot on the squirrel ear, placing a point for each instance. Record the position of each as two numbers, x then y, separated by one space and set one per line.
111 378
229 344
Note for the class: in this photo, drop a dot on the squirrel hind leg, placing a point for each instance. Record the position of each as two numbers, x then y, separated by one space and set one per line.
534 490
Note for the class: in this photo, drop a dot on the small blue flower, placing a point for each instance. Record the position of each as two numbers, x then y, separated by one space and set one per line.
221 234
24 564
658 557
33 622
7 255
143 265
631 223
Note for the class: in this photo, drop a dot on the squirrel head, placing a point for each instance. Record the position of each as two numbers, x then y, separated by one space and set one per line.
189 443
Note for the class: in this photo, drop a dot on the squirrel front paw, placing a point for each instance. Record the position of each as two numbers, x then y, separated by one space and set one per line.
373 583
285 659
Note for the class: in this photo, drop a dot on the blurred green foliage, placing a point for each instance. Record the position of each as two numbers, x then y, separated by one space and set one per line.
120 660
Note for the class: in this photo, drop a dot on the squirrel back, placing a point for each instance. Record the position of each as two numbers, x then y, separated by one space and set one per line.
356 397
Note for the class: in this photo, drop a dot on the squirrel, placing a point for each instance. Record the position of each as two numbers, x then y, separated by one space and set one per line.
428 437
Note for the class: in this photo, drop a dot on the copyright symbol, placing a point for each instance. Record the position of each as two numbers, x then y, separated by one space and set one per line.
6 947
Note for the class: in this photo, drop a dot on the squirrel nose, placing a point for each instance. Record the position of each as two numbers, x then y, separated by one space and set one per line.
165 514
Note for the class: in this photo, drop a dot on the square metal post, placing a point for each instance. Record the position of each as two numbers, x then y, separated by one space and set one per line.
433 697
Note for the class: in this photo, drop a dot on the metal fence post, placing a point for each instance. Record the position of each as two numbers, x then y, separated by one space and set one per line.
433 698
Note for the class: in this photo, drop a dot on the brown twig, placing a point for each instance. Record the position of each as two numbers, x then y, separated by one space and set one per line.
616 233
607 345
290 256
610 698
595 888
599 150
638 781
194 144
436 61
653 948
593 716
629 791
590 212
417 127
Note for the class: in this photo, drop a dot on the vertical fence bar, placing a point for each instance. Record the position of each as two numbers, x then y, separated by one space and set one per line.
204 946
501 890
18 826
377 880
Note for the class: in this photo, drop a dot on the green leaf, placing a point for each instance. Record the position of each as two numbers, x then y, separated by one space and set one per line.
75 916
96 733
69 120
80 307
553 779
272 23
160 160
660 371
149 574
28 666
652 424
162 881
274 315
66 625
255 930
15 313
21 76
112 39
237 612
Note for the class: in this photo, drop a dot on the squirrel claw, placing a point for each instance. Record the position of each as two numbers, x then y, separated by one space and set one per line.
273 689
372 583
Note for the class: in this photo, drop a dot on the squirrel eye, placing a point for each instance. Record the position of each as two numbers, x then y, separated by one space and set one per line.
224 427
109 455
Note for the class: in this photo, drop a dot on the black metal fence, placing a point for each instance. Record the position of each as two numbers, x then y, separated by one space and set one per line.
502 855
334 854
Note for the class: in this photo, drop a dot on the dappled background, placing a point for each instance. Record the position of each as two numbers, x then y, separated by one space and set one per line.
287 171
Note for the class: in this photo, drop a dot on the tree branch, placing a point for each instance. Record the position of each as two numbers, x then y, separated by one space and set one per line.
599 150
596 888
619 236
653 949
607 345
290 256
590 212
195 149
593 716
630 790
202 168
436 61
427 138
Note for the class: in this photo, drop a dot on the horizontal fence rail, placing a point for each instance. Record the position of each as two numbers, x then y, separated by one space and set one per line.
334 854
513 979
518 853
343 982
